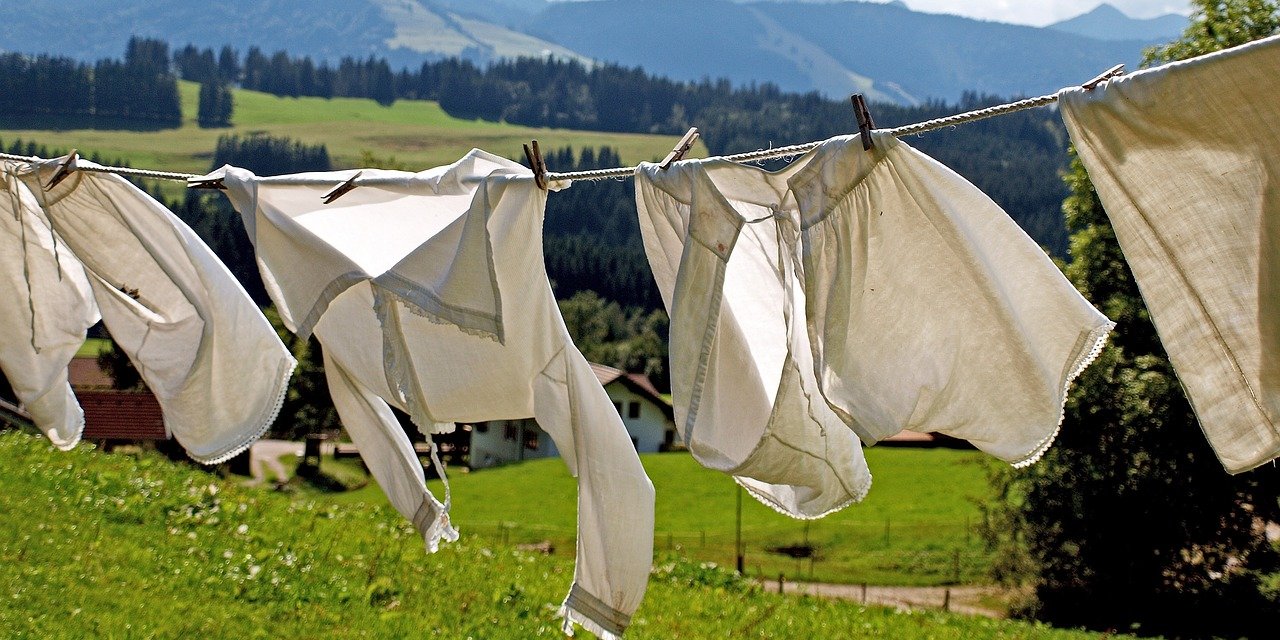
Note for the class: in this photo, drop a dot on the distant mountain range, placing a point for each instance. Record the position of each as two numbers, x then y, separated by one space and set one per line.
885 50
1106 22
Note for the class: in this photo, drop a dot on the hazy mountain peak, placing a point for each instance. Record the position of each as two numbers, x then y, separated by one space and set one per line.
1105 22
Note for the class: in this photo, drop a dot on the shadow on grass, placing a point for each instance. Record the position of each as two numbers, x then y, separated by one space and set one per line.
71 122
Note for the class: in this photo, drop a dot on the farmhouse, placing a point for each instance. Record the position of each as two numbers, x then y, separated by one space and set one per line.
647 416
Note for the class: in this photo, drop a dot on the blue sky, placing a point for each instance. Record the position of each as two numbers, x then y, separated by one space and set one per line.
1042 12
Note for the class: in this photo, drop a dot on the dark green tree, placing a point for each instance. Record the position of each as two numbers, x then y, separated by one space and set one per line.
216 105
1130 522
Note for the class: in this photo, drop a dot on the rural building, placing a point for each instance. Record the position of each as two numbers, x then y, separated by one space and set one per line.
647 416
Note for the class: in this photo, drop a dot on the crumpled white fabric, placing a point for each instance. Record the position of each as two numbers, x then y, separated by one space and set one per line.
48 308
928 308
1186 160
428 293
214 363
742 382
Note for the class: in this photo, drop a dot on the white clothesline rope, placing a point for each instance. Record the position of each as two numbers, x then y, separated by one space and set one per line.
626 172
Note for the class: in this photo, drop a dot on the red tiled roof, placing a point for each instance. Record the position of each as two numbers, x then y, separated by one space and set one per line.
85 373
638 382
121 415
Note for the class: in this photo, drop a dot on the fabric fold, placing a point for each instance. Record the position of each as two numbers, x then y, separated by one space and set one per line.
746 400
1184 158
214 363
49 307
928 308
409 281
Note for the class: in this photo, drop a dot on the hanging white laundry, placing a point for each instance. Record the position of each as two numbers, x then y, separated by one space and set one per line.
428 292
48 307
929 309
214 363
746 401
1186 160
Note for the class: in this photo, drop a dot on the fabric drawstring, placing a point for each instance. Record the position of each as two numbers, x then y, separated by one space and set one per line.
439 467
11 185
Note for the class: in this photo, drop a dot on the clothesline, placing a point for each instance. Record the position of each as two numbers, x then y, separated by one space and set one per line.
626 172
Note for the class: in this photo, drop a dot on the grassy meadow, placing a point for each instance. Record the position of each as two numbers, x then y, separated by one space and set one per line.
134 546
417 133
915 528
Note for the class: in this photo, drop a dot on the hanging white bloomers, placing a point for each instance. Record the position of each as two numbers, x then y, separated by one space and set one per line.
214 363
48 307
1186 160
742 383
428 293
928 308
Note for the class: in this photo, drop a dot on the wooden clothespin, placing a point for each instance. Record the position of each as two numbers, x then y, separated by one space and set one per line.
681 148
1103 77
341 189
865 123
208 181
536 165
64 169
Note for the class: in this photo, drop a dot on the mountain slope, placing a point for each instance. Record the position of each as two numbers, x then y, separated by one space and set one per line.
405 31
836 48
1106 22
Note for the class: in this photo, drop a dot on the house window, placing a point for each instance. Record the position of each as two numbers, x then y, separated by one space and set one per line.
618 406
509 431
531 439
633 410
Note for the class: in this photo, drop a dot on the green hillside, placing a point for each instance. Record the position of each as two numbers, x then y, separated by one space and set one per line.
118 546
417 133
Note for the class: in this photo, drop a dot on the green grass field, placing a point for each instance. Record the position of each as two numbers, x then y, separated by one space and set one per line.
133 546
417 133
915 526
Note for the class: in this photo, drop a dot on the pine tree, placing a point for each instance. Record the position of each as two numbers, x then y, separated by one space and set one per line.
215 106
1130 522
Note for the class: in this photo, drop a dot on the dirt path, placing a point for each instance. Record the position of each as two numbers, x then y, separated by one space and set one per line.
963 599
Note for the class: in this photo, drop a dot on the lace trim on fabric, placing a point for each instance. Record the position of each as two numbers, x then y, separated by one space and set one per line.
331 291
592 614
268 419
422 302
1098 339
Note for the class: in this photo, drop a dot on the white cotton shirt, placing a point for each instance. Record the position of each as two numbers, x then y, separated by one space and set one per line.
928 308
1186 160
746 400
214 363
428 293
48 307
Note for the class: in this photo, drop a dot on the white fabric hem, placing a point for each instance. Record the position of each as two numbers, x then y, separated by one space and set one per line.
75 439
573 616
1098 338
439 530
282 392
859 494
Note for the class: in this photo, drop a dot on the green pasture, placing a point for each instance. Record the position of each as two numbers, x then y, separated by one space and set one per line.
417 133
916 527
134 546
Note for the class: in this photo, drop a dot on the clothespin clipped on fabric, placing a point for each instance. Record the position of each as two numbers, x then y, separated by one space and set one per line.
682 147
64 169
536 165
208 181
1103 77
865 123
341 189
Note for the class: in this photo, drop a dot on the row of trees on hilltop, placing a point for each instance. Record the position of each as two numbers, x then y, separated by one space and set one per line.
141 89
1016 159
